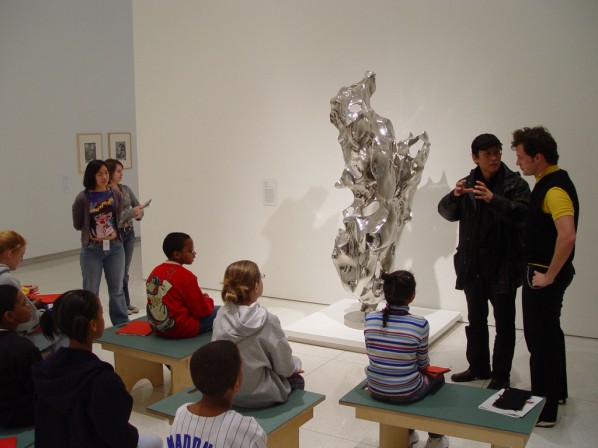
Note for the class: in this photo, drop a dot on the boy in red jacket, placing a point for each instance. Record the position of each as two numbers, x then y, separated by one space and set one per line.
176 306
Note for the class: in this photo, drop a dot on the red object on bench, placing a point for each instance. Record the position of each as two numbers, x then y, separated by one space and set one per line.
9 442
139 328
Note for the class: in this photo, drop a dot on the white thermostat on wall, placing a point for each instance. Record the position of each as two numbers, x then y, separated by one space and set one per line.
270 190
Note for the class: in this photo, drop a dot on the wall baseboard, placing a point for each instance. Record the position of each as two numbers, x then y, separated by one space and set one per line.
57 255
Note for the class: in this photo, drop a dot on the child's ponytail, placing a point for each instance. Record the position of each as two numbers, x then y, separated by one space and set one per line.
399 289
70 315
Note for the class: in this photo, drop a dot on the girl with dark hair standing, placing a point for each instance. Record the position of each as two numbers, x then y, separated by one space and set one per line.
397 347
96 213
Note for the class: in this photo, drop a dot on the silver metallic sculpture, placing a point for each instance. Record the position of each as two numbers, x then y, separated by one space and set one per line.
383 178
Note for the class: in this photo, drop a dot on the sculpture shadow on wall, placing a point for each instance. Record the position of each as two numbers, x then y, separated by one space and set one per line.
299 239
425 240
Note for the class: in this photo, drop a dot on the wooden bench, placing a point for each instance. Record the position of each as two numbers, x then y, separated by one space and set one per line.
451 410
281 421
25 436
139 357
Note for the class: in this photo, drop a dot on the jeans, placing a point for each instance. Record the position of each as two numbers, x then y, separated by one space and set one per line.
433 382
127 236
206 323
94 260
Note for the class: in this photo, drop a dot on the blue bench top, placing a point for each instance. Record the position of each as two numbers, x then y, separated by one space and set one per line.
25 436
172 348
453 403
270 418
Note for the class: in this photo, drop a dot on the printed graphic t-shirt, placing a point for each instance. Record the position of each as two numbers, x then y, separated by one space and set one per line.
102 214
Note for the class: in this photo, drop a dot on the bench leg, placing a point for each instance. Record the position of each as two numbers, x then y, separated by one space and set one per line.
393 436
180 376
287 436
131 370
288 440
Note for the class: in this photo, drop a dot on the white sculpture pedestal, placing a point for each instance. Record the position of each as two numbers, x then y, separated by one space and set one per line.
327 328
355 319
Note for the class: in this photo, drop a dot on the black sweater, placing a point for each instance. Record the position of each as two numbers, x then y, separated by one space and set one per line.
81 401
17 355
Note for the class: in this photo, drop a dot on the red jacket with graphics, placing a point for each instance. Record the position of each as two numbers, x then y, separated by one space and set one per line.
175 302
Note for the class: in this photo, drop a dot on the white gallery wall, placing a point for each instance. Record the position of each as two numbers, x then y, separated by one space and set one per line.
66 67
232 93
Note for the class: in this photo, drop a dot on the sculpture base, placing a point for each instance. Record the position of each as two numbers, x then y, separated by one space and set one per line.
327 327
355 319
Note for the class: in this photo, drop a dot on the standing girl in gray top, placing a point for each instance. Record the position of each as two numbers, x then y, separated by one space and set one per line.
131 210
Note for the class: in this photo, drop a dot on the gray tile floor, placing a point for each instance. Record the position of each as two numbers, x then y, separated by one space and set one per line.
333 372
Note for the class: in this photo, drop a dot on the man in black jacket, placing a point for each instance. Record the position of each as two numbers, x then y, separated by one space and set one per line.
490 205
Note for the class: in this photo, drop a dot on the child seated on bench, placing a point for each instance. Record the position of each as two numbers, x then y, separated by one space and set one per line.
17 355
216 373
270 371
397 348
80 400
176 305
12 250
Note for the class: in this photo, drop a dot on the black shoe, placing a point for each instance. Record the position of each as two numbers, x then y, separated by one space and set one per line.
468 375
498 384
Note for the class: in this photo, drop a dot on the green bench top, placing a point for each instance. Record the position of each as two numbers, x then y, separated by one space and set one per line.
452 403
25 436
270 418
171 348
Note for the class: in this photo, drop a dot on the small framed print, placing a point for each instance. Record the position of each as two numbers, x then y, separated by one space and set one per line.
89 147
119 146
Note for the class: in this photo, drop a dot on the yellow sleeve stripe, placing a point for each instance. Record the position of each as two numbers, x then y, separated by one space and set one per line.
558 203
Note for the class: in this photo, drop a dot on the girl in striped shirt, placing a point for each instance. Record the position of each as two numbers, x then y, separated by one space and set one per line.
397 348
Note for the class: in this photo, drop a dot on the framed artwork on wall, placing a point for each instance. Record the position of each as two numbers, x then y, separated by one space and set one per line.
89 147
119 148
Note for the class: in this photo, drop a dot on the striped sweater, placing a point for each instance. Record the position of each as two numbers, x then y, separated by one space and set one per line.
397 353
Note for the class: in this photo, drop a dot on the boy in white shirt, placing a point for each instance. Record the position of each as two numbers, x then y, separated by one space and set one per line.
216 373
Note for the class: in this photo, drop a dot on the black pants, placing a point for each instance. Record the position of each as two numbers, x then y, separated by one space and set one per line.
478 294
546 341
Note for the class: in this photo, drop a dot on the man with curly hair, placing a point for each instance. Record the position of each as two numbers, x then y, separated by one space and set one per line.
549 248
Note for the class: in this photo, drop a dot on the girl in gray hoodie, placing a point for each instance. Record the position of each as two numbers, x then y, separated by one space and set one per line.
270 371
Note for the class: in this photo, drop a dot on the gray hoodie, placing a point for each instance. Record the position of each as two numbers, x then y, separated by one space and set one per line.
266 353
6 278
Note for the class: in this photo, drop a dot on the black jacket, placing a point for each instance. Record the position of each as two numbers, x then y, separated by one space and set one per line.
17 355
508 207
81 402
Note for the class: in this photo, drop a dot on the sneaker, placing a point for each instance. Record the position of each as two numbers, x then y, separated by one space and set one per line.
413 438
544 424
468 375
132 310
563 401
437 442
